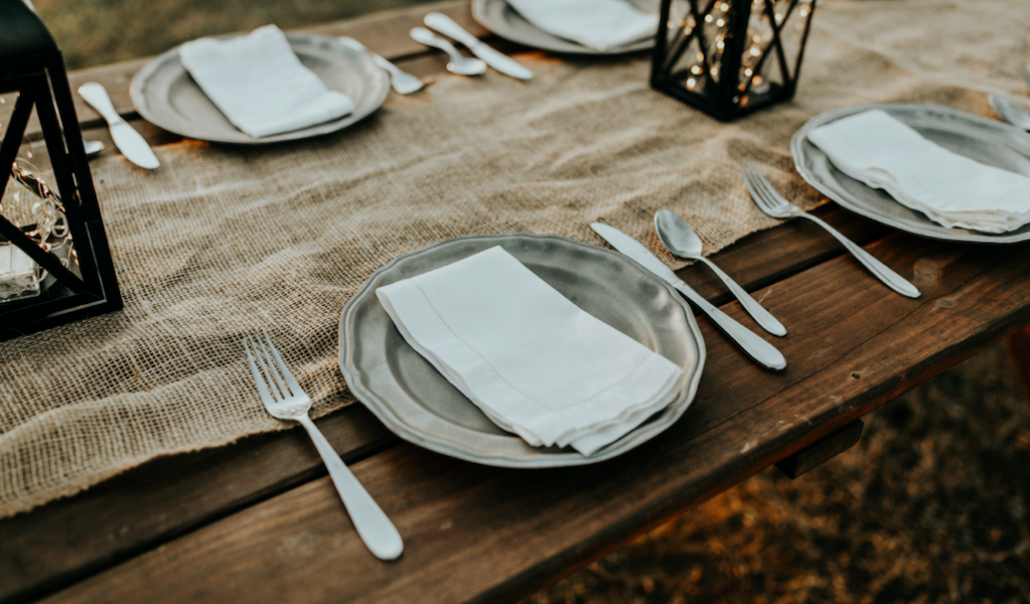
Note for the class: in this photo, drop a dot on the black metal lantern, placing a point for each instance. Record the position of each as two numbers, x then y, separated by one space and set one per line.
55 265
730 57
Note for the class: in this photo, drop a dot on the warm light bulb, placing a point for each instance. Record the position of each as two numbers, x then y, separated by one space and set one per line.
691 82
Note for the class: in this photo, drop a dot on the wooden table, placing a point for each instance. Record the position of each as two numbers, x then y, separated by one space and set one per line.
259 521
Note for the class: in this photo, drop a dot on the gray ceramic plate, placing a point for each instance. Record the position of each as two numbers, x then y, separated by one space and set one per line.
499 17
986 141
417 403
166 96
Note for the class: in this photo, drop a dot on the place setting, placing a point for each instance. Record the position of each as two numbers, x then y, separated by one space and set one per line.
307 86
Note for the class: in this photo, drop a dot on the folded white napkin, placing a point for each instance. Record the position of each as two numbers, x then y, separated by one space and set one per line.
952 190
530 359
260 85
597 24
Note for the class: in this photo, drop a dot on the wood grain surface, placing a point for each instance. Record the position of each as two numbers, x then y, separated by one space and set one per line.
478 534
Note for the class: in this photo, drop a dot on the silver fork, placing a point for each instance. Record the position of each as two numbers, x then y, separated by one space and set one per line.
284 399
770 202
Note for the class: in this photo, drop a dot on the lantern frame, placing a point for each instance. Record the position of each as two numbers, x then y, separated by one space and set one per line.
31 65
725 98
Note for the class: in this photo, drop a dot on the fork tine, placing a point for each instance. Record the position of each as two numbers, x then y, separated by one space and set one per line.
259 379
752 187
267 363
294 386
771 196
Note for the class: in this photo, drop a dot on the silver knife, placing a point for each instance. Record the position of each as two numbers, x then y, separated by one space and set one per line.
128 141
499 61
764 353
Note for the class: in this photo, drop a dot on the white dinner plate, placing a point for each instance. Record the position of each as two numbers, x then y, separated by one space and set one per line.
500 18
165 94
986 141
418 404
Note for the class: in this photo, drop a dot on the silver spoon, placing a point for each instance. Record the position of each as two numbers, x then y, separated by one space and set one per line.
1009 113
458 64
402 81
93 147
682 241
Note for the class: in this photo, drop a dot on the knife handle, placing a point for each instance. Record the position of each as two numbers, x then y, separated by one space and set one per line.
447 26
764 353
96 95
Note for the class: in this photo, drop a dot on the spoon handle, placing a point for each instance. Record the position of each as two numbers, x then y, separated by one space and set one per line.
424 36
753 308
764 353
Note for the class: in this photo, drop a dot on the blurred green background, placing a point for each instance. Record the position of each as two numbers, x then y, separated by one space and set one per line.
98 32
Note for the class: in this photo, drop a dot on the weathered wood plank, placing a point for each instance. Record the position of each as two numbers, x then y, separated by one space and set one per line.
477 534
1019 351
821 451
34 565
71 538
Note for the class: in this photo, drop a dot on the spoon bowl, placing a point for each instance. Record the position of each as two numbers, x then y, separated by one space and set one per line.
93 147
677 236
1008 112
457 64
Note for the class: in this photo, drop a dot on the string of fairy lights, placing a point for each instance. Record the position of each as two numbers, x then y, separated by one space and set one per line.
707 62
38 211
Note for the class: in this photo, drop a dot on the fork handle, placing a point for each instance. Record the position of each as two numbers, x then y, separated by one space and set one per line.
877 268
375 529
753 308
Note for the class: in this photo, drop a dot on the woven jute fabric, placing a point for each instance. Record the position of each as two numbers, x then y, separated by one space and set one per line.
224 242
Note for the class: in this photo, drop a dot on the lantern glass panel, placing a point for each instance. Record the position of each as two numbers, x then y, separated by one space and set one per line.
730 56
31 204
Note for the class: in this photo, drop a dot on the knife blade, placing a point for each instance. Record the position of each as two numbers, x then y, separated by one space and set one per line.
128 141
498 60
763 353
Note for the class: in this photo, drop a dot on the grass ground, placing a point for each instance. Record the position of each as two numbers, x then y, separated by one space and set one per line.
933 505
98 32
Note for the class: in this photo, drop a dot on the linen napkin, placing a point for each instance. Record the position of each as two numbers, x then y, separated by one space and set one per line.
597 24
535 363
260 85
952 190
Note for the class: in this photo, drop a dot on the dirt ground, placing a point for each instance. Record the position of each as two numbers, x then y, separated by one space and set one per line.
931 506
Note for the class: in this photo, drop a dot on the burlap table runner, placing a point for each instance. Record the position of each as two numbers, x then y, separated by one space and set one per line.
223 242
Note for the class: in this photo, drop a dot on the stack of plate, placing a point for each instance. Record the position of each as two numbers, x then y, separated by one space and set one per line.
165 94
418 403
499 17
986 141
